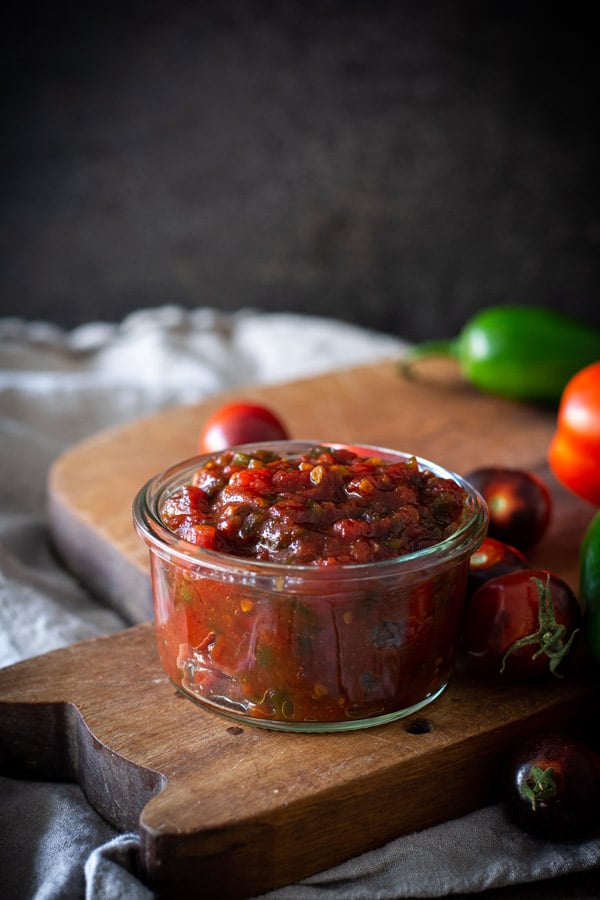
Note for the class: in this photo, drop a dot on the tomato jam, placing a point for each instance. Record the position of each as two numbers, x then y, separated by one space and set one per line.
309 588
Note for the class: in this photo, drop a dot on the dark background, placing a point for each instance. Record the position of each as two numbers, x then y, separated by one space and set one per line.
395 164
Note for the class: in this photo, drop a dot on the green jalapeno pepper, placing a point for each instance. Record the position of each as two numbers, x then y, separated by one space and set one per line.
518 352
589 586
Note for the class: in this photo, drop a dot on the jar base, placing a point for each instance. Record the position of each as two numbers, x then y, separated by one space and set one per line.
312 727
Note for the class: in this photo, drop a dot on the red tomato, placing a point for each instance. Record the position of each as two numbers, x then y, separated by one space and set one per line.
240 423
519 504
574 451
493 558
552 787
520 625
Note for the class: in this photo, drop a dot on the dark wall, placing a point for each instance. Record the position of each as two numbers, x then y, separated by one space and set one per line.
395 164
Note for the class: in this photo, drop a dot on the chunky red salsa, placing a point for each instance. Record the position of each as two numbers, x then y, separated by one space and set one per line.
326 506
323 646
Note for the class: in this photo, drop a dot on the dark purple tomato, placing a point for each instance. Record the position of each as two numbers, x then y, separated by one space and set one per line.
493 558
519 504
552 787
521 625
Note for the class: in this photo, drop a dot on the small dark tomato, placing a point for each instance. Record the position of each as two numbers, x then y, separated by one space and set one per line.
519 504
552 787
520 626
240 423
493 558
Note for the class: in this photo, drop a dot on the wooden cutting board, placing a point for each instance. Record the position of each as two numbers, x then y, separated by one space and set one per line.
229 811
439 417
241 810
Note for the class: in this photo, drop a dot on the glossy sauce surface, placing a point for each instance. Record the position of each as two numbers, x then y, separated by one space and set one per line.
327 506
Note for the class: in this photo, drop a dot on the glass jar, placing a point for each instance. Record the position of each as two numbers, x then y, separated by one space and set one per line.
307 647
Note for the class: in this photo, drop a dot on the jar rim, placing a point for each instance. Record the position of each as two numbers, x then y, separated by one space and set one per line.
162 540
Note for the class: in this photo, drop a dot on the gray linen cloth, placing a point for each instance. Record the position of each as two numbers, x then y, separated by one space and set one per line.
57 387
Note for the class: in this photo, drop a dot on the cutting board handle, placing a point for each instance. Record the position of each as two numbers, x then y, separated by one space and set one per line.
52 742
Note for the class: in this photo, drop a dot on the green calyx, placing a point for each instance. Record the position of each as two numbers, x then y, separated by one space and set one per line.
550 636
539 786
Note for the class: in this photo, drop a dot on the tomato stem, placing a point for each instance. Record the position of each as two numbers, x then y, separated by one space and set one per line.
550 635
540 786
441 348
